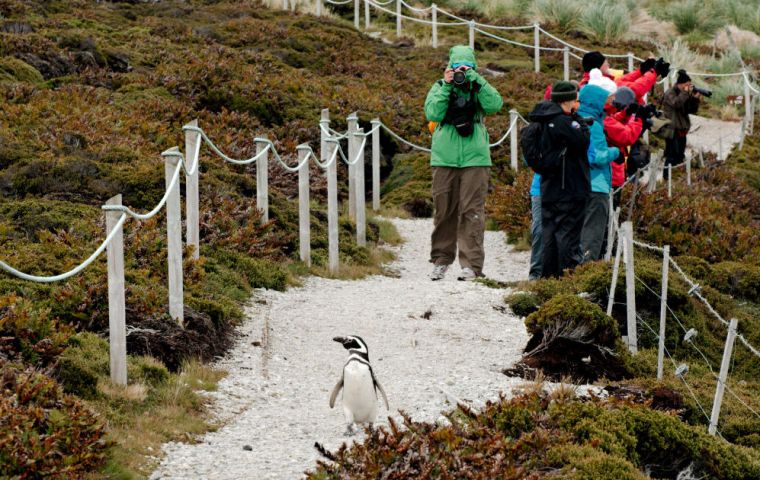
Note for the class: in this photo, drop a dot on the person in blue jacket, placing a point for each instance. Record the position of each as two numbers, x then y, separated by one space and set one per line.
536 250
593 97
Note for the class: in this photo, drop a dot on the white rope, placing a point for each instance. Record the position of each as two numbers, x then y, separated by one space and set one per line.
512 42
75 270
332 133
395 135
161 203
748 82
504 137
413 19
648 246
279 159
415 9
504 27
359 153
334 2
330 161
367 134
220 153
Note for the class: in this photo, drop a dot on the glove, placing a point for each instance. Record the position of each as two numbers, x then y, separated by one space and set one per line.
472 76
647 65
646 112
632 109
662 67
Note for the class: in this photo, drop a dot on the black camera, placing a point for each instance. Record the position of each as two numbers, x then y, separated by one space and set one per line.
588 121
459 77
702 91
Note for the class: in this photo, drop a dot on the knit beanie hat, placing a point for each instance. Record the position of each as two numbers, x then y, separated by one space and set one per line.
592 60
596 78
623 97
563 92
683 77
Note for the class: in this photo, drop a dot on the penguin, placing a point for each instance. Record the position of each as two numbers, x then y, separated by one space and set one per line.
359 385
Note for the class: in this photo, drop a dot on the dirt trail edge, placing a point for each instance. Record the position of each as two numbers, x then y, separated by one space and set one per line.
274 403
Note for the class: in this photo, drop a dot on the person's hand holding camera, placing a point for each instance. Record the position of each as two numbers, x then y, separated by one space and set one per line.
472 76
647 65
448 75
632 109
662 67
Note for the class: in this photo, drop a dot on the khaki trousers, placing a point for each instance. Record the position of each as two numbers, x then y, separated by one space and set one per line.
459 197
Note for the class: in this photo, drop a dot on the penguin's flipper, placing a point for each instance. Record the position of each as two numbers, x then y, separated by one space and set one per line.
335 391
382 391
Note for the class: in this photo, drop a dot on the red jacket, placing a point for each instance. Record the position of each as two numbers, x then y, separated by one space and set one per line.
639 83
622 131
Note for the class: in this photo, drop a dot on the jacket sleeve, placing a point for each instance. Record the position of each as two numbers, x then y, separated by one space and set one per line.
575 137
642 84
631 76
676 99
623 133
489 99
603 154
437 101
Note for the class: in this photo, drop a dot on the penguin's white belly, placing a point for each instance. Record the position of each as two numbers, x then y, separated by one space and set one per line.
359 398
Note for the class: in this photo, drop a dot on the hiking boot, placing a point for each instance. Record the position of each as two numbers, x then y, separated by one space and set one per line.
467 274
439 271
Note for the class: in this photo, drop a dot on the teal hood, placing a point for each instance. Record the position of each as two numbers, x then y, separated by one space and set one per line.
462 54
592 100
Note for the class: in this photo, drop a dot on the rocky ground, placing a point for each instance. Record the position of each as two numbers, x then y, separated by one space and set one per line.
431 344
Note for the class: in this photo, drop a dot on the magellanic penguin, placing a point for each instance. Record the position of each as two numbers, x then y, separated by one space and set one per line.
359 385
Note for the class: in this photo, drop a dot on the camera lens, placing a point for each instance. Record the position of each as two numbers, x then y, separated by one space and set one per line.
459 77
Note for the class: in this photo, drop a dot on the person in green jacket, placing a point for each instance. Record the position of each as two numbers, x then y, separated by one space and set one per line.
461 161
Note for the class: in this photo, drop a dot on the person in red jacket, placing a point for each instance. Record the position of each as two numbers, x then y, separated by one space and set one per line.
642 80
622 128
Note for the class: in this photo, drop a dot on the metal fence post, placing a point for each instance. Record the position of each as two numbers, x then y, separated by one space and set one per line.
327 150
630 61
566 63
117 335
513 121
353 125
375 164
192 214
304 224
398 18
471 30
361 191
722 377
536 48
434 18
262 180
630 287
174 236
615 271
663 309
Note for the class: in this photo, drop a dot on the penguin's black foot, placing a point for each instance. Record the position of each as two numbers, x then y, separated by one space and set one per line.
350 430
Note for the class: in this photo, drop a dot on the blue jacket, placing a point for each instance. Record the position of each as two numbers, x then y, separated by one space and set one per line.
600 154
535 187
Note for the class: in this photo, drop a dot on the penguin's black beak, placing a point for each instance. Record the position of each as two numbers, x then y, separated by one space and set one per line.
340 340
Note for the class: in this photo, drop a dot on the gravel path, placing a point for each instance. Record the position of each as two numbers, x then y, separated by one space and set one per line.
275 398
712 135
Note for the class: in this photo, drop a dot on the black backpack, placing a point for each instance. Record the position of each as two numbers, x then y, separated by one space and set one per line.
462 111
537 152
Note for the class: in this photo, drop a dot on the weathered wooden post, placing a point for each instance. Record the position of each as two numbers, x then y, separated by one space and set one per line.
630 61
434 18
319 8
536 48
471 36
566 63
361 192
630 286
375 164
513 121
117 334
304 224
615 271
610 228
353 125
398 18
192 215
174 235
701 158
747 103
722 377
663 309
688 171
262 179
670 180
327 153
357 13
366 15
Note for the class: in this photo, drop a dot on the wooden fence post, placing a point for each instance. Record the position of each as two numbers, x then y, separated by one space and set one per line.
367 13
319 8
688 171
357 13
663 310
471 36
630 286
536 48
722 377
434 18
174 237
747 104
398 18
513 121
304 224
262 180
566 63
610 228
361 191
615 271
192 214
670 180
117 335
353 125
375 164
327 150
630 61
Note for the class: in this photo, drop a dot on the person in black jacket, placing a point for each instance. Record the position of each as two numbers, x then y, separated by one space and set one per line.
566 185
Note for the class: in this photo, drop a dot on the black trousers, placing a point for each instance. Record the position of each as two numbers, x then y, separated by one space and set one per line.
562 223
675 150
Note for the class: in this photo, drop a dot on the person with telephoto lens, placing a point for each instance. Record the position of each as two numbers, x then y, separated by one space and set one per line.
461 160
680 101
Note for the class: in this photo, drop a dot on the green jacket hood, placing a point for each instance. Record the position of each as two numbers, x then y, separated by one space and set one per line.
462 54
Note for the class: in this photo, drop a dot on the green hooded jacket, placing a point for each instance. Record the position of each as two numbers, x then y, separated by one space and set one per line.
450 149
